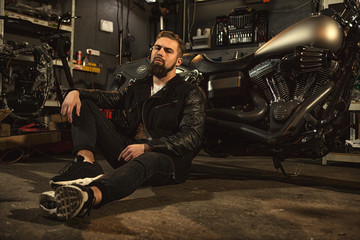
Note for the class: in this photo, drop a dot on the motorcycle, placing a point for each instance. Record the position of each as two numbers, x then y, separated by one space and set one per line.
25 89
288 98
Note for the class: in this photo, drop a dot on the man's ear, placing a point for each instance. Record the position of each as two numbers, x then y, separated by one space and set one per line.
179 61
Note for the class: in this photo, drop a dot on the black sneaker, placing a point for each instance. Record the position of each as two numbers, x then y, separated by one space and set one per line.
77 172
73 200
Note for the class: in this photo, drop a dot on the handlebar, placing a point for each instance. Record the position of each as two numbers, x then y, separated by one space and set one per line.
66 17
353 5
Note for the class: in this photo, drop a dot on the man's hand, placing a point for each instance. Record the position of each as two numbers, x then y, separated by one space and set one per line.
71 100
133 151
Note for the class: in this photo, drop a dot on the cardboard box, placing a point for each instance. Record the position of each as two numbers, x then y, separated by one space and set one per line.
57 118
4 130
4 113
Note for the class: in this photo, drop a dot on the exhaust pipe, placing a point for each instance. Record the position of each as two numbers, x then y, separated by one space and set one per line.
294 123
239 116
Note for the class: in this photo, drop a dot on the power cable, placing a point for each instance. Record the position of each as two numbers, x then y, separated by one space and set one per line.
193 20
293 9
120 29
129 38
5 160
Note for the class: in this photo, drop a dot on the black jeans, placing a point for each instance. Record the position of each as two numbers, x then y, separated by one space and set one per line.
92 129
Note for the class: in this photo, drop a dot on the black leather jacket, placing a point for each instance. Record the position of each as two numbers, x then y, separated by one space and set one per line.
174 117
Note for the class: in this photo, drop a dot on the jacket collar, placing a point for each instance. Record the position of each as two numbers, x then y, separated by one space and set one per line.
143 87
170 84
174 80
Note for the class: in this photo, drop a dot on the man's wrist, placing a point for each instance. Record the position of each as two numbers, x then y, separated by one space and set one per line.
147 148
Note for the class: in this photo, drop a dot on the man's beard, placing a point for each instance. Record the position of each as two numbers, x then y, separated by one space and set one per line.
159 70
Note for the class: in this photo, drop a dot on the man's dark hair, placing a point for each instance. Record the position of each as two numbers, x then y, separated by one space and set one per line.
173 36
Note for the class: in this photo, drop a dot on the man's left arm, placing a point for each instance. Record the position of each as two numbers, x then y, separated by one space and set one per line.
191 128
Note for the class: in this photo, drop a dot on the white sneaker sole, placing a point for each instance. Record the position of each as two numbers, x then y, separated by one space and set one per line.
82 181
47 209
70 200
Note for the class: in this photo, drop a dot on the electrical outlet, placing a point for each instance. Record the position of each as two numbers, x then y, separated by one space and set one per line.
93 52
106 26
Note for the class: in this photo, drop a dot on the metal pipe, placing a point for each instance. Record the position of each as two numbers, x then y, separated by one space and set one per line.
161 23
2 13
72 36
184 19
291 127
240 116
121 32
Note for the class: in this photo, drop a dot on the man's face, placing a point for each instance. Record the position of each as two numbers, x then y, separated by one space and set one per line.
164 57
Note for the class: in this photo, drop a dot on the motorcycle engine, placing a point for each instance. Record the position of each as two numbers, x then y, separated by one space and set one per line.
19 94
287 82
25 84
267 77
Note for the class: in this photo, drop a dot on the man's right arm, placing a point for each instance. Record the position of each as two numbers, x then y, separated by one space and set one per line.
103 99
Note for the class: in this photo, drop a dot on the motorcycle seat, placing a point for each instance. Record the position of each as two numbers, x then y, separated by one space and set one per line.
133 70
206 65
187 58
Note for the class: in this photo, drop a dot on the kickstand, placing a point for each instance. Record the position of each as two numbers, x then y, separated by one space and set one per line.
298 169
277 164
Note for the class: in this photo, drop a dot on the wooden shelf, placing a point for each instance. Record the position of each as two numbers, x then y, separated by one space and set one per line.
341 157
86 68
345 157
228 53
30 58
30 139
238 46
57 62
354 106
37 21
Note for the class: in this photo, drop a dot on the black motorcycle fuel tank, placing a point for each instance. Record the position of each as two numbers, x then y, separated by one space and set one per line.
318 31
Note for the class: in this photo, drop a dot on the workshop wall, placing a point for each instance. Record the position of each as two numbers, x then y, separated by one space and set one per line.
143 28
282 13
89 35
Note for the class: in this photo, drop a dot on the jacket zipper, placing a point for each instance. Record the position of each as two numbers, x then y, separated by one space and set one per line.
132 109
143 119
166 104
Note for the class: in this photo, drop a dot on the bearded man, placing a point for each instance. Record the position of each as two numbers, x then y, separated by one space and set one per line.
152 143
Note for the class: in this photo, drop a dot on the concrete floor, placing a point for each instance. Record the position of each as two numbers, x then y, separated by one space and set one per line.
232 198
